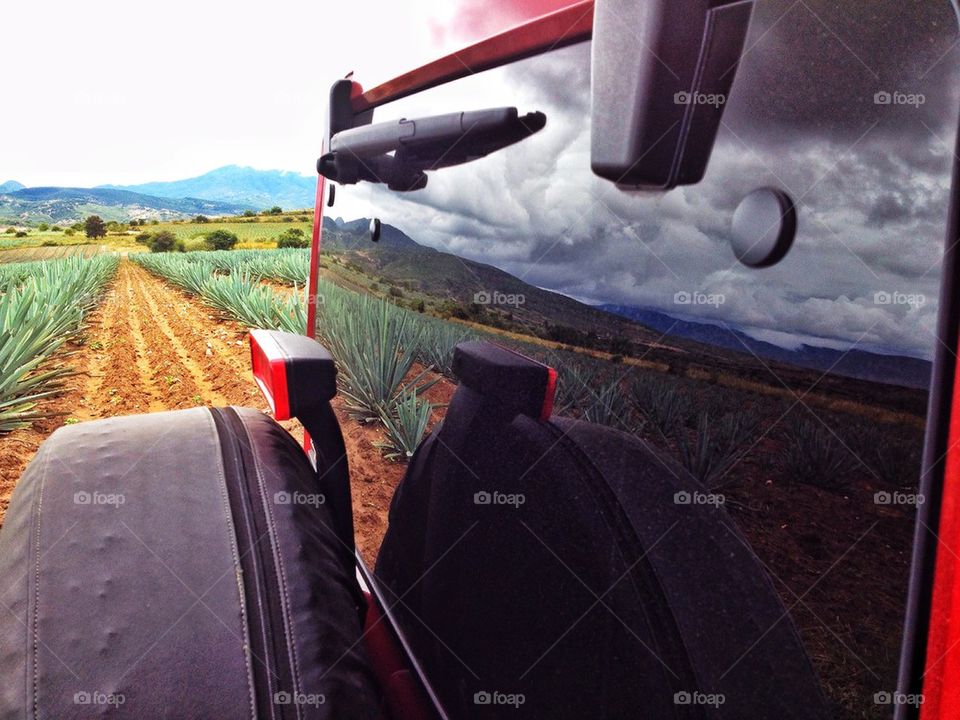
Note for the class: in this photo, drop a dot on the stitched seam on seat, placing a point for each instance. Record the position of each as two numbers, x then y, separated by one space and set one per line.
36 589
282 577
238 575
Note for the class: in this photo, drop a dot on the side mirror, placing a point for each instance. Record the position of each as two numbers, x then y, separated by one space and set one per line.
400 152
662 72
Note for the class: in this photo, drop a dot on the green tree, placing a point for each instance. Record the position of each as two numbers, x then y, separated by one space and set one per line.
249 213
292 238
43 227
94 227
165 241
220 240
201 219
275 210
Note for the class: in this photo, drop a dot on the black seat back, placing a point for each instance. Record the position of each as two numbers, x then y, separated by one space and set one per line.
552 569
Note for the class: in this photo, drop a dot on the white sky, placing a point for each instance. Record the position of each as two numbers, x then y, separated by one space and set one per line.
111 91
123 92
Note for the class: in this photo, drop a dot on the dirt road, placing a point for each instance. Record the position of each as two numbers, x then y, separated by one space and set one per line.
151 347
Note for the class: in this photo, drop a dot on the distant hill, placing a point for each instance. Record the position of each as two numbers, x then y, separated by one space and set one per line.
895 369
259 189
398 258
58 204
11 186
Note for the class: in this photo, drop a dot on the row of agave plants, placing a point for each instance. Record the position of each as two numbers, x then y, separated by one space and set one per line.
377 345
709 430
42 305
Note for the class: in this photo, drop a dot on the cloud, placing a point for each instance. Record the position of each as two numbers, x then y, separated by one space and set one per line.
871 182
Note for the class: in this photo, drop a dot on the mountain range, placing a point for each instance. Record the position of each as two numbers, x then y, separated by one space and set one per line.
225 191
244 186
60 204
898 369
232 189
397 258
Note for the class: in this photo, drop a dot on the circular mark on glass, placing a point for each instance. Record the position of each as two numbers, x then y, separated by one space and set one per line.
375 229
764 225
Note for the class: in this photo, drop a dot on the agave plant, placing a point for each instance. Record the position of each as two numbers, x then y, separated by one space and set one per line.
376 353
814 456
609 407
715 447
405 426
660 402
38 314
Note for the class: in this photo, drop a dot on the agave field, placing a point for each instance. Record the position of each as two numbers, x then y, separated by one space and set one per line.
376 344
42 306
385 353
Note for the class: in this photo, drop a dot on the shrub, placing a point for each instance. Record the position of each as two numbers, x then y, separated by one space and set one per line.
43 227
143 238
10 230
249 213
275 210
50 243
396 292
55 228
201 219
21 233
94 227
69 232
165 241
221 240
292 238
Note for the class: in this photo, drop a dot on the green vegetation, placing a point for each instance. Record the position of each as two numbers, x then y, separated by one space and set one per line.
162 242
708 428
405 426
221 240
815 455
293 238
94 227
42 305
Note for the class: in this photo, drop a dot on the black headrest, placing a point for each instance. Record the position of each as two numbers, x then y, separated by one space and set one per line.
508 378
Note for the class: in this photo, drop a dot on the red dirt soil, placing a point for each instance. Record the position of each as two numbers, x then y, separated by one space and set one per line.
151 347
